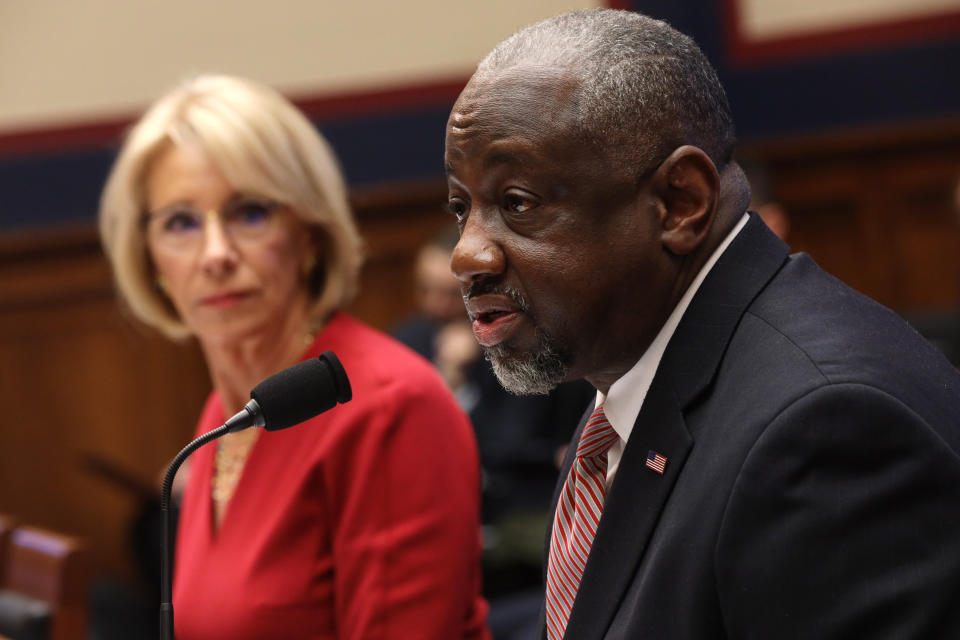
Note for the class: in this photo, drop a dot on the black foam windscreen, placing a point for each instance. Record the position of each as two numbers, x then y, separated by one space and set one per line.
302 391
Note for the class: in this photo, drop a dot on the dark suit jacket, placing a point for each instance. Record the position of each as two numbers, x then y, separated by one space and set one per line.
812 484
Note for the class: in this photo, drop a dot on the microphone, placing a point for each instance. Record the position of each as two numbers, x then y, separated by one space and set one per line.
283 400
293 395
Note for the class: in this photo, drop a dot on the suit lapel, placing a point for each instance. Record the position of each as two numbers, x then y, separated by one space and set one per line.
638 494
701 338
631 510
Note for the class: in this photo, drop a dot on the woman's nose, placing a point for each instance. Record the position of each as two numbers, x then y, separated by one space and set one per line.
219 252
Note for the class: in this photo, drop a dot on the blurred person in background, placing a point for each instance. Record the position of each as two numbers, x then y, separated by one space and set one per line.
521 439
436 330
225 218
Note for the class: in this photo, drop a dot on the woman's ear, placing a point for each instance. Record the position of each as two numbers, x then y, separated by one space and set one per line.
688 184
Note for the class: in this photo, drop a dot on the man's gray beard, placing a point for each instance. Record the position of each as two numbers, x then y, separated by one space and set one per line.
533 373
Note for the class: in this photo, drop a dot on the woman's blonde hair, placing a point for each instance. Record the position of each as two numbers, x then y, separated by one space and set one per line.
262 144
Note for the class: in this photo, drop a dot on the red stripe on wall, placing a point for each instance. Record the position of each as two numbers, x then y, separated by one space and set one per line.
743 51
433 94
63 138
438 93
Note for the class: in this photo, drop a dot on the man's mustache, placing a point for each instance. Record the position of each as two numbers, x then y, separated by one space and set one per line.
484 287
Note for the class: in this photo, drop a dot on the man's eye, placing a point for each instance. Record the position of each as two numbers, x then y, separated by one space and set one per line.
517 203
458 208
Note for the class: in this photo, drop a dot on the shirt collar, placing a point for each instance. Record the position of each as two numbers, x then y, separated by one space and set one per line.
624 400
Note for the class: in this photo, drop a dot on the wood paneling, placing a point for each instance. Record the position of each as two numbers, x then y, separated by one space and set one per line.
78 380
395 222
876 208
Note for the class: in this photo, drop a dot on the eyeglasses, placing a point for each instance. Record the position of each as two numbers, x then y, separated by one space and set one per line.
181 227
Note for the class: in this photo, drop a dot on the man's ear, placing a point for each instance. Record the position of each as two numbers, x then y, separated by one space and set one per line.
688 185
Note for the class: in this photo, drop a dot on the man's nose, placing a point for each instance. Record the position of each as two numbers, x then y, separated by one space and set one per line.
477 254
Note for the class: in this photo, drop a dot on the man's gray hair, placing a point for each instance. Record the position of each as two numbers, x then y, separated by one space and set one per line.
645 88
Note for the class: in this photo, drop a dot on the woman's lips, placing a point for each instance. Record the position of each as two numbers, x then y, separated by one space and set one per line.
226 299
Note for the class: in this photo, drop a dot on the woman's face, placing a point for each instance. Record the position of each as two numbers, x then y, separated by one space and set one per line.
231 262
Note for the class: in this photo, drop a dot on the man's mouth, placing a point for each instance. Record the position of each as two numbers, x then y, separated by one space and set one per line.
495 318
492 315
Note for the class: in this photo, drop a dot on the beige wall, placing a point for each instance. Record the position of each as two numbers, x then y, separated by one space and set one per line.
763 19
66 61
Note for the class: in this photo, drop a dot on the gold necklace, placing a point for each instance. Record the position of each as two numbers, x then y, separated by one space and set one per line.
233 450
229 462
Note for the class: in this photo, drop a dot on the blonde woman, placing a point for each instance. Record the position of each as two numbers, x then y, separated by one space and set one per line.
225 218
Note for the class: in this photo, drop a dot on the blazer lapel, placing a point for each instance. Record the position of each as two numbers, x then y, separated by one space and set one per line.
638 494
631 510
701 338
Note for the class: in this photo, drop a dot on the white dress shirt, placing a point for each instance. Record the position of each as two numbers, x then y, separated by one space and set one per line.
624 400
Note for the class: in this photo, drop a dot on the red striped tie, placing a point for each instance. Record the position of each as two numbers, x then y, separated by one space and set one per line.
576 519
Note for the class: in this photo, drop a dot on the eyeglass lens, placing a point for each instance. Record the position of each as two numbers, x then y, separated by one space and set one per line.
180 225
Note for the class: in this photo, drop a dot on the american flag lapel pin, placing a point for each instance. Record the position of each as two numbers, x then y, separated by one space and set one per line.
656 462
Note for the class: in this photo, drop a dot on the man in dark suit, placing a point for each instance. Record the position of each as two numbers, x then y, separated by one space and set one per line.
770 455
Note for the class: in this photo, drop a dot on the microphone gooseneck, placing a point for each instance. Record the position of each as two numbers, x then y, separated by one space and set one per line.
166 540
250 416
283 400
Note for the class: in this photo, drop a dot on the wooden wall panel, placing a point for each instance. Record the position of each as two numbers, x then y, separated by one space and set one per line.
394 223
79 381
875 208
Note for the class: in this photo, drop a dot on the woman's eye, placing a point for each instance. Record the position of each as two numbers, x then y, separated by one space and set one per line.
182 222
251 213
517 203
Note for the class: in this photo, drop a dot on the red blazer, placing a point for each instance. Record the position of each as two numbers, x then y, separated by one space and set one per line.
359 523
